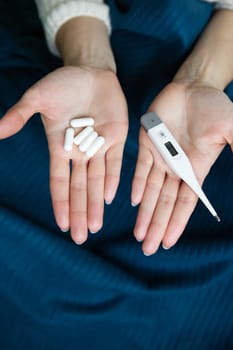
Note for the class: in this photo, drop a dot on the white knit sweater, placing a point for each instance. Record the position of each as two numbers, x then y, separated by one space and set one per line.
54 13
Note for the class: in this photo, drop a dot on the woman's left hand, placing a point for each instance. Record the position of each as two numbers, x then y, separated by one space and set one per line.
201 119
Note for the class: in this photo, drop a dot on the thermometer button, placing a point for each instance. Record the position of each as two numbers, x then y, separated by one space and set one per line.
161 134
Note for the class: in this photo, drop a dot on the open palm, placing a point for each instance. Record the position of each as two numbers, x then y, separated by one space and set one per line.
201 119
78 197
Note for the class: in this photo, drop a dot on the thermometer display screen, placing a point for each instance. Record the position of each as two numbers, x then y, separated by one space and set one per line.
171 148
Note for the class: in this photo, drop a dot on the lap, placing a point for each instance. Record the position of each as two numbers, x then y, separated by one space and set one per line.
54 294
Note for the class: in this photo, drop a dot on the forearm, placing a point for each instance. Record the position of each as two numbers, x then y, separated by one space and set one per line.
84 41
211 61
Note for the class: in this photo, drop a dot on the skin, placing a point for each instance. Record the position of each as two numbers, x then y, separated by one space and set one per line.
78 198
193 106
200 118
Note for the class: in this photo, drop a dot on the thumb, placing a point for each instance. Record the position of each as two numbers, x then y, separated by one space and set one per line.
231 131
17 116
225 127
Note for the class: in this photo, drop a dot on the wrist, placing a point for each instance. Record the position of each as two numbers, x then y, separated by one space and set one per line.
204 72
90 59
211 61
84 42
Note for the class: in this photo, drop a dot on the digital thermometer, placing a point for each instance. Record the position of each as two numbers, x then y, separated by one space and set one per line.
173 155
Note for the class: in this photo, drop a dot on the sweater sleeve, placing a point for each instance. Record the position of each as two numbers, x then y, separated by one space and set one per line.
54 13
223 4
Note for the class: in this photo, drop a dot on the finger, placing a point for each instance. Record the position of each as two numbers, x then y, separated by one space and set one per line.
184 206
17 116
161 215
95 185
59 187
113 169
78 201
227 126
143 167
148 203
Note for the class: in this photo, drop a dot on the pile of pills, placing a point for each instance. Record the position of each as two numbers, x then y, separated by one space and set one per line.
87 139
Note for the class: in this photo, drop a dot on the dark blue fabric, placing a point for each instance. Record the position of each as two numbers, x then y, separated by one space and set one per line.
106 294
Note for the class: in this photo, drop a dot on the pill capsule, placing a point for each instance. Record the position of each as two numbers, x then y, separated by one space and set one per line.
82 135
81 122
85 144
69 139
95 146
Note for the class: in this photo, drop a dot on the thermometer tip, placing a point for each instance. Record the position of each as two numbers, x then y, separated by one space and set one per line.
217 218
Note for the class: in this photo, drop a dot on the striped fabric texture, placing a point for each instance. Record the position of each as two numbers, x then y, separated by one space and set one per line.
106 294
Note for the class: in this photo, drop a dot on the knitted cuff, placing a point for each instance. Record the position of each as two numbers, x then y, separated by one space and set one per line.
63 12
222 4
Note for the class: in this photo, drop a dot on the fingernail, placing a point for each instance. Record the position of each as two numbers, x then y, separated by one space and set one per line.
133 204
93 232
164 247
108 202
139 238
64 229
78 242
80 239
146 254
139 233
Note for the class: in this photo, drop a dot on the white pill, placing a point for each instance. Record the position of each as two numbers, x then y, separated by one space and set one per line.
82 135
95 146
85 144
81 122
69 139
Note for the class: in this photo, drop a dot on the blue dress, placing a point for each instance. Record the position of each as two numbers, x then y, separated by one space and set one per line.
105 294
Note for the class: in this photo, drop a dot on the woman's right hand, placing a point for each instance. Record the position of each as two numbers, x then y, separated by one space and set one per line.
78 196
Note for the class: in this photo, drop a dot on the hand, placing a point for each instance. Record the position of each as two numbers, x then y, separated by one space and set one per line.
78 198
201 119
